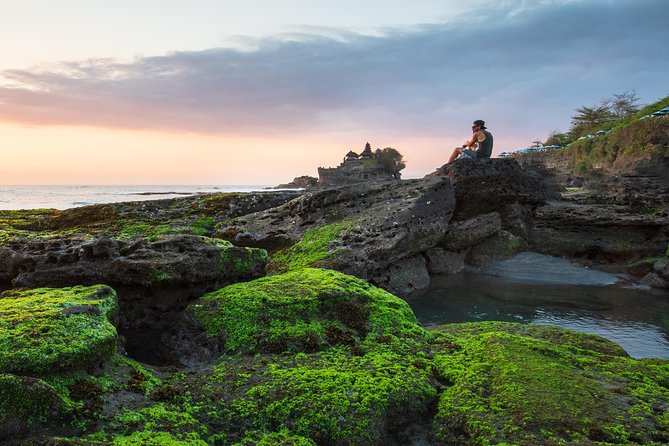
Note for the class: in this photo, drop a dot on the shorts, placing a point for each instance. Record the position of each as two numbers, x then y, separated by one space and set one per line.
469 153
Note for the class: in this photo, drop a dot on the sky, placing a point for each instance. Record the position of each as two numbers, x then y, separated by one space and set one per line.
260 91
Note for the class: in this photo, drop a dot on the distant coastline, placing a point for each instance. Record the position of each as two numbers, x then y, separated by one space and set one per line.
70 196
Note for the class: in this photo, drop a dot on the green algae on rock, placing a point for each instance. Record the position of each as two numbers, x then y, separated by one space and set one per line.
313 250
509 384
26 404
281 438
331 397
47 330
305 310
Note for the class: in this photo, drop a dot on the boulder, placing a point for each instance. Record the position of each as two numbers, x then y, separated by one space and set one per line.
154 279
441 261
407 277
488 185
170 260
495 248
659 276
29 407
359 229
49 330
306 310
598 234
464 234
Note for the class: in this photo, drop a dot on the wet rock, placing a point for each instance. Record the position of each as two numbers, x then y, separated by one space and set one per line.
407 277
464 234
441 261
500 246
598 234
659 276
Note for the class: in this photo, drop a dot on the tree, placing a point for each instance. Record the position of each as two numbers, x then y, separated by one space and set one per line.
624 104
391 160
589 118
557 138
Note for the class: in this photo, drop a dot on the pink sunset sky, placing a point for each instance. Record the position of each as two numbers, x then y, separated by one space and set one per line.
259 92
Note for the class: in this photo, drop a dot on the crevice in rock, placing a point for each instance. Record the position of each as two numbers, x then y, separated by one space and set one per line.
5 285
414 429
145 315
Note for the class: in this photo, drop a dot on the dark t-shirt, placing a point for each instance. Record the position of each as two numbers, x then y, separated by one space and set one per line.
484 149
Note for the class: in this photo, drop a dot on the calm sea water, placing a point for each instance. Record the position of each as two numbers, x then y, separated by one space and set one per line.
64 197
544 290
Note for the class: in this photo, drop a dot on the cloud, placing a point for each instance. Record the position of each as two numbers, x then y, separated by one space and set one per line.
507 64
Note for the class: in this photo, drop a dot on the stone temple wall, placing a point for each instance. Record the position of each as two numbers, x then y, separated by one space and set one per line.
352 171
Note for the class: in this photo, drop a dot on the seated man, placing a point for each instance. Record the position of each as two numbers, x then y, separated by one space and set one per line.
481 139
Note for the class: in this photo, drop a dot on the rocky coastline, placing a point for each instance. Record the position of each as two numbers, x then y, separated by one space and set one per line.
277 317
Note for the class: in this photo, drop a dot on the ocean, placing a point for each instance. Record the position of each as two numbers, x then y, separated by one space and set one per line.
64 197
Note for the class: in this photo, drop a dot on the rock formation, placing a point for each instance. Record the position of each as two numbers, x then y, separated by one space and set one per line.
185 343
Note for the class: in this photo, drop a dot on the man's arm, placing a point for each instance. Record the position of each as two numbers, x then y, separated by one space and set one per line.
478 136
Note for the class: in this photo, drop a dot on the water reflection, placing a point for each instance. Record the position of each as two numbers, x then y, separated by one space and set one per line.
635 318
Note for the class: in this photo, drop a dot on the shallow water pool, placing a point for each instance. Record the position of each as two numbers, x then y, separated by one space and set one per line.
569 296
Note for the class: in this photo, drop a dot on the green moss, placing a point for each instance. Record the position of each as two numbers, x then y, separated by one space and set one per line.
241 261
304 310
148 230
30 224
282 438
543 385
203 226
151 438
45 330
153 423
329 398
26 403
311 251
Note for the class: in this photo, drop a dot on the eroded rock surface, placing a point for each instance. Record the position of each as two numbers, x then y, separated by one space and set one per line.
377 225
155 280
598 234
484 186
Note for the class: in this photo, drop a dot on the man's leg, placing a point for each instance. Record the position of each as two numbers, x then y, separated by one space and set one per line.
457 151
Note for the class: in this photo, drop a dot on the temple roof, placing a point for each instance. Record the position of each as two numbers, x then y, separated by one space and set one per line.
367 153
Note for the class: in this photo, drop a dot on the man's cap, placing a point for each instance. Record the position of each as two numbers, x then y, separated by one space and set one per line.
480 123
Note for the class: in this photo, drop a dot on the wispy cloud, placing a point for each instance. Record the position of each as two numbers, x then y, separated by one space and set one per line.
511 63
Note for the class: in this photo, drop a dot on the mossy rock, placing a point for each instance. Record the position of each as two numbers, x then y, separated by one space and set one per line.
153 425
283 438
27 405
332 397
306 310
313 250
545 386
47 330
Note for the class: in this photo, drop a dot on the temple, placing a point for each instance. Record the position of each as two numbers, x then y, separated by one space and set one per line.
354 169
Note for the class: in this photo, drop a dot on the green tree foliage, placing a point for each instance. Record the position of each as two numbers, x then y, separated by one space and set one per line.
587 119
609 113
391 160
557 138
